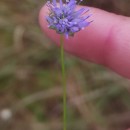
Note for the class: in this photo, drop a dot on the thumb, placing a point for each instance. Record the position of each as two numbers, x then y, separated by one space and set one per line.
106 41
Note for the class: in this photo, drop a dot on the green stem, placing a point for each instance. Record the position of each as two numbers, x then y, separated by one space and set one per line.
64 84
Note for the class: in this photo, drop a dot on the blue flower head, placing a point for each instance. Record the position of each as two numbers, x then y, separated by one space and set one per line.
65 19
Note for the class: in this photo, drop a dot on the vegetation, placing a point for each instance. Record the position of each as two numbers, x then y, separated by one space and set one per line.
30 77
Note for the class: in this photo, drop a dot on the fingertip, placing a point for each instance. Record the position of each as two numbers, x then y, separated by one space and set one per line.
42 15
44 25
42 18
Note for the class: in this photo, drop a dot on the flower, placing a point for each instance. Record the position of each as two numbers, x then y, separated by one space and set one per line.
65 19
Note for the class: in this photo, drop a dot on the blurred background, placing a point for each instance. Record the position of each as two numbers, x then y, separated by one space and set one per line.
30 77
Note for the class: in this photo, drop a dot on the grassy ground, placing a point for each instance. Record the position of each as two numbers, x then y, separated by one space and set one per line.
30 77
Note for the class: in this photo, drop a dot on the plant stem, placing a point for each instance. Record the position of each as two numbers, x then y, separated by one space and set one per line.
64 84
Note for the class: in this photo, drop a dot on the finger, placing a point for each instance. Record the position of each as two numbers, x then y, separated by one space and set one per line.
105 41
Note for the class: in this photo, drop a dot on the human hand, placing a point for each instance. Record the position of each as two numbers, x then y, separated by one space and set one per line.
106 41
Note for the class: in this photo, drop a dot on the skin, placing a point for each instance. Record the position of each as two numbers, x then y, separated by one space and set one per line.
105 41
